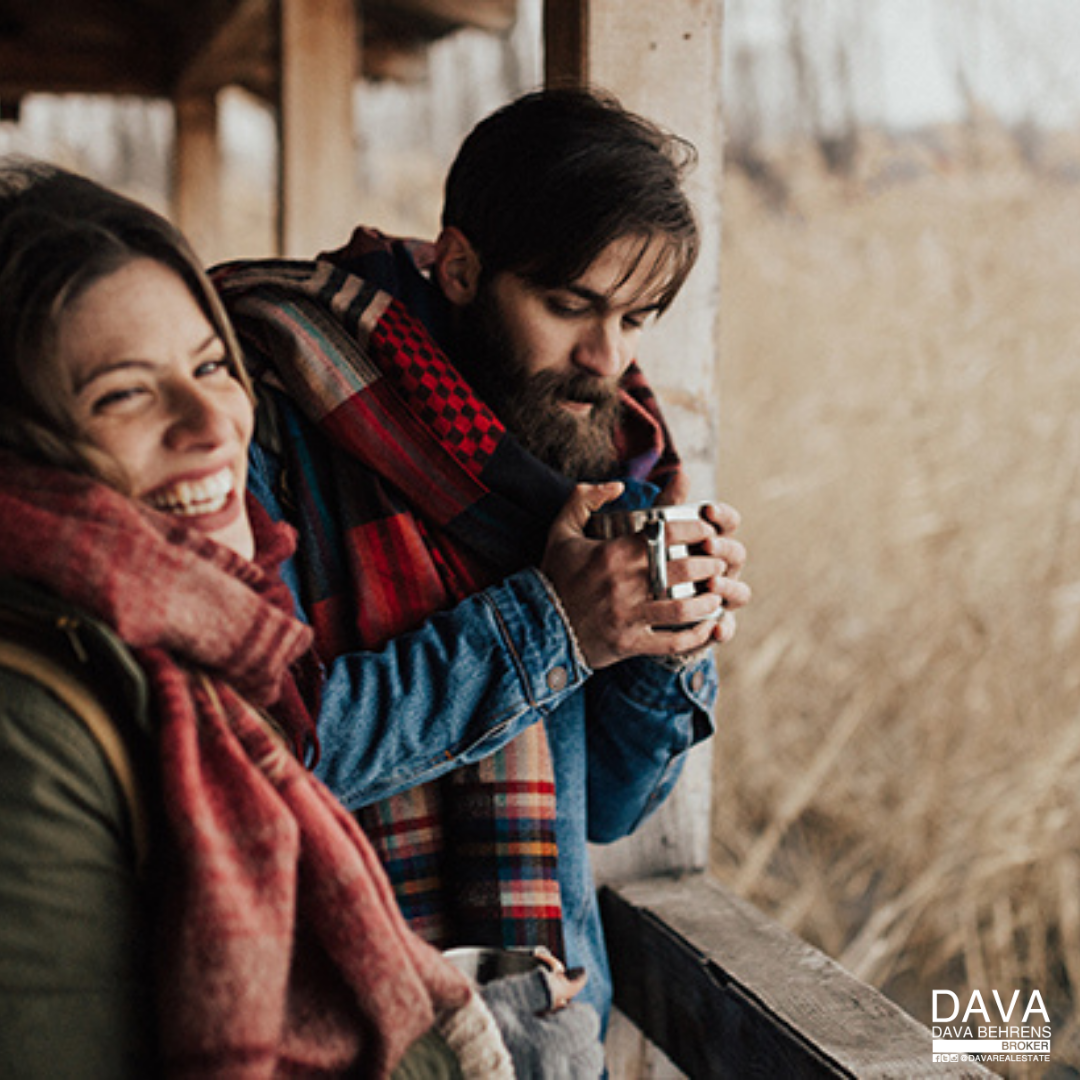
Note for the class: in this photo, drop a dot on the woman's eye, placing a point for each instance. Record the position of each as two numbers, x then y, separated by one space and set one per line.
215 366
116 398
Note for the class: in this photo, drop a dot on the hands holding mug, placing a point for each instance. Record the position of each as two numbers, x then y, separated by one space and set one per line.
663 582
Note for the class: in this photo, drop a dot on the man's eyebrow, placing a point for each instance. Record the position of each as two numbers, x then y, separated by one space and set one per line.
602 301
590 295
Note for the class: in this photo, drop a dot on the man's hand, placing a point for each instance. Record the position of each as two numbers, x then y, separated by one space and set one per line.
726 520
604 584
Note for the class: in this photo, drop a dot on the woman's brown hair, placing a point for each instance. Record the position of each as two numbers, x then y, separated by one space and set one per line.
59 234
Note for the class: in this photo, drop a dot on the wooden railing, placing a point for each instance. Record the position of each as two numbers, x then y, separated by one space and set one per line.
725 992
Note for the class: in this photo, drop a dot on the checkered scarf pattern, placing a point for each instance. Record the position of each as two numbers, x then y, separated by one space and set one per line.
430 501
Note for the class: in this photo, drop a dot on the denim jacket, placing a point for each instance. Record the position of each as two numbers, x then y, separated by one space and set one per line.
472 678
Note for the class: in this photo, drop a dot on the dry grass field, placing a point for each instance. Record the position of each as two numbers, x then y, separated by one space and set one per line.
898 770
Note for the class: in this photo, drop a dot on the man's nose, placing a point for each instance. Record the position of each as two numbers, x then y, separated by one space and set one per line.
602 351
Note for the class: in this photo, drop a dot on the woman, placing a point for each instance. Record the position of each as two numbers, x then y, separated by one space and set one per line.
259 937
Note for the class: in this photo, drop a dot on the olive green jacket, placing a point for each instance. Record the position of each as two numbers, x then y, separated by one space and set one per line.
76 985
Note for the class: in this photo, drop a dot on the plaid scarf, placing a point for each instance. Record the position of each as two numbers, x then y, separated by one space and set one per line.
281 950
430 501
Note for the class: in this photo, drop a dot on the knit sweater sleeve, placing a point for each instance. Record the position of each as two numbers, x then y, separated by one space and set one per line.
75 995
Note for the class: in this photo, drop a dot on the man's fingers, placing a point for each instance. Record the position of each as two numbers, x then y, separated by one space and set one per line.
695 570
583 502
726 518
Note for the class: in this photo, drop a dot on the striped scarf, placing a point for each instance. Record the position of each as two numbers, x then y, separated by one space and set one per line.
280 949
409 496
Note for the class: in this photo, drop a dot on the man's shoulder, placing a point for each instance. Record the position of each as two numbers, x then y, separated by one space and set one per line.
368 243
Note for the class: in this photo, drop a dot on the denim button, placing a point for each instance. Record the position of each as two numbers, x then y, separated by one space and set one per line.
697 681
556 678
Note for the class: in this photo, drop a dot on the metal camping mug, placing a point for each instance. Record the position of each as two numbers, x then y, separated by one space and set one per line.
652 524
484 964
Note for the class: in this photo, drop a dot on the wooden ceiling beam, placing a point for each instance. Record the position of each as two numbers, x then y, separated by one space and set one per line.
169 48
230 44
494 16
59 68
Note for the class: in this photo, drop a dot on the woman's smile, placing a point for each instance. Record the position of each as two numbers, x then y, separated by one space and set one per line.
194 498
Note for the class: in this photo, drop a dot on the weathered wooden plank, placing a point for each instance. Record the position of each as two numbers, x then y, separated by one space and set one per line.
726 992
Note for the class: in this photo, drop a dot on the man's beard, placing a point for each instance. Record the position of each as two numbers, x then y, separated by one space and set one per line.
580 447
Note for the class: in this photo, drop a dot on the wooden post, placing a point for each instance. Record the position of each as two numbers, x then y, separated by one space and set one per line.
566 38
318 40
663 61
197 173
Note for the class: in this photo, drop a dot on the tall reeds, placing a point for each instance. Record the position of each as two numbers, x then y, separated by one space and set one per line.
898 772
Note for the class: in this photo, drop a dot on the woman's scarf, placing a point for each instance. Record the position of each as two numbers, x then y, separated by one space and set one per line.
409 496
281 949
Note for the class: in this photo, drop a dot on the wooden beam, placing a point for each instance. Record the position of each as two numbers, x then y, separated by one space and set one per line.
197 187
663 61
56 67
495 16
317 40
566 40
726 992
231 45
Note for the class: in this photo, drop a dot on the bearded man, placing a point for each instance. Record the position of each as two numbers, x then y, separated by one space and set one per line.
439 421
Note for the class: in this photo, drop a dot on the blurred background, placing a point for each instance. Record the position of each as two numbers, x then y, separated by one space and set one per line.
898 776
898 766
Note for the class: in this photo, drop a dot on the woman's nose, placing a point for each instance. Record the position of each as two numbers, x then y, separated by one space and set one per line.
194 418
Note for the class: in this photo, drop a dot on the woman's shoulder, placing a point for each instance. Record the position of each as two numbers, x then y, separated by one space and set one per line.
35 619
75 736
73 938
49 759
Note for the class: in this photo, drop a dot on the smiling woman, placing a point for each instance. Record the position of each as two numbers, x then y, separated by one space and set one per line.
155 387
260 928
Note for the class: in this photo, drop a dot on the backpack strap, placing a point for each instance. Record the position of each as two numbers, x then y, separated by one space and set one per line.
73 693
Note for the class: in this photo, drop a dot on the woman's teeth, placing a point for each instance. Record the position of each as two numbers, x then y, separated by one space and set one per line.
190 498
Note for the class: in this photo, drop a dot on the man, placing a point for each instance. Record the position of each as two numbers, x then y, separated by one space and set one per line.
427 413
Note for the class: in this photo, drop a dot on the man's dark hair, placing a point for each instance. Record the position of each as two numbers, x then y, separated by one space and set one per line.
542 186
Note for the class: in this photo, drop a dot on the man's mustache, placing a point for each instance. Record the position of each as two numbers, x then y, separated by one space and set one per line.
587 389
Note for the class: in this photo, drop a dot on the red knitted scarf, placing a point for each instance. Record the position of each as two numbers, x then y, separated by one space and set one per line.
281 949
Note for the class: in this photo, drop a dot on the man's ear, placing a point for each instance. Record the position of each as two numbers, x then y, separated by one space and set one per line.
457 267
